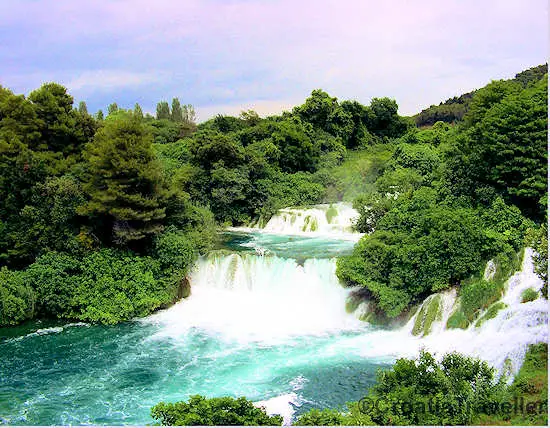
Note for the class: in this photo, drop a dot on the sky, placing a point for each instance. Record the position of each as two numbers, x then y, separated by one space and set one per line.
225 56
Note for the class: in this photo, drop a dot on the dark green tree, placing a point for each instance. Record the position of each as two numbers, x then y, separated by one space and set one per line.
126 186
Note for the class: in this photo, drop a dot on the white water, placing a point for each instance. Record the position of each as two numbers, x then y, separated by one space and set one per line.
243 297
247 298
320 220
505 337
252 302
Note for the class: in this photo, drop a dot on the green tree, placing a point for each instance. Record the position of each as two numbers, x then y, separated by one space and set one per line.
213 411
125 185
99 115
62 128
177 112
112 109
163 110
82 108
138 112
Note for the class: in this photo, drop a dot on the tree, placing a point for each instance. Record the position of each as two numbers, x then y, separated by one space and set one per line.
177 113
163 110
99 115
213 411
138 112
112 109
126 187
82 108
61 128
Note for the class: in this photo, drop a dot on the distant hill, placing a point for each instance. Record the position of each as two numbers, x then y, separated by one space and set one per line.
453 109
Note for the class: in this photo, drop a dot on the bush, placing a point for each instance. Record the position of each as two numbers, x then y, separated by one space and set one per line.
105 286
175 251
529 295
16 298
212 411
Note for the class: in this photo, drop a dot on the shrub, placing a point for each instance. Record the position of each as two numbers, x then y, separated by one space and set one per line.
212 411
529 295
105 286
16 298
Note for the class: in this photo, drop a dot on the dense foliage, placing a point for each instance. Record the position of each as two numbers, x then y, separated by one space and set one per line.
213 411
457 390
451 198
454 109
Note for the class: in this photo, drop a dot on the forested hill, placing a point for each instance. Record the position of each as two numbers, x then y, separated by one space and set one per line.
454 109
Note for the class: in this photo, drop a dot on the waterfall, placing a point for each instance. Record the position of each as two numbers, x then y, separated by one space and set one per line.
249 298
324 219
246 297
502 340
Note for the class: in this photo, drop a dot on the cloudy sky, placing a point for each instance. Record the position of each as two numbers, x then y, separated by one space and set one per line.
268 55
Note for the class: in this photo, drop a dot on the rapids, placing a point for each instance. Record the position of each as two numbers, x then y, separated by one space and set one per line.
266 319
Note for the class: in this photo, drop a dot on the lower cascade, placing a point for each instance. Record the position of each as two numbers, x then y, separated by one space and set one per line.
270 328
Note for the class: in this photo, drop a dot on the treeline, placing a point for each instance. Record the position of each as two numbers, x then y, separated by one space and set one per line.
454 109
451 198
101 217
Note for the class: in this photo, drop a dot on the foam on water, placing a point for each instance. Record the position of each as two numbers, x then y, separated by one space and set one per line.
244 297
334 220
247 298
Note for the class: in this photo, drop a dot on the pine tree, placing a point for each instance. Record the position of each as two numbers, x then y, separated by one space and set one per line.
126 187
177 113
163 110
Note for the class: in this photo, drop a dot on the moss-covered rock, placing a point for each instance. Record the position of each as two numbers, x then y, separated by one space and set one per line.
458 320
184 288
491 313
430 311
529 295
331 213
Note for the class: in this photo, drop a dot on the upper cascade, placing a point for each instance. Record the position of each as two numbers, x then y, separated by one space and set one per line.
323 219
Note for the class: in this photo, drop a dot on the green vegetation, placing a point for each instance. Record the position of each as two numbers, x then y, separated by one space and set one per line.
530 387
529 295
429 312
448 199
213 411
491 312
453 110
458 390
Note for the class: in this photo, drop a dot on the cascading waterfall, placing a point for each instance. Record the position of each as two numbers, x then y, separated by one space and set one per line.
246 297
324 219
273 328
502 340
